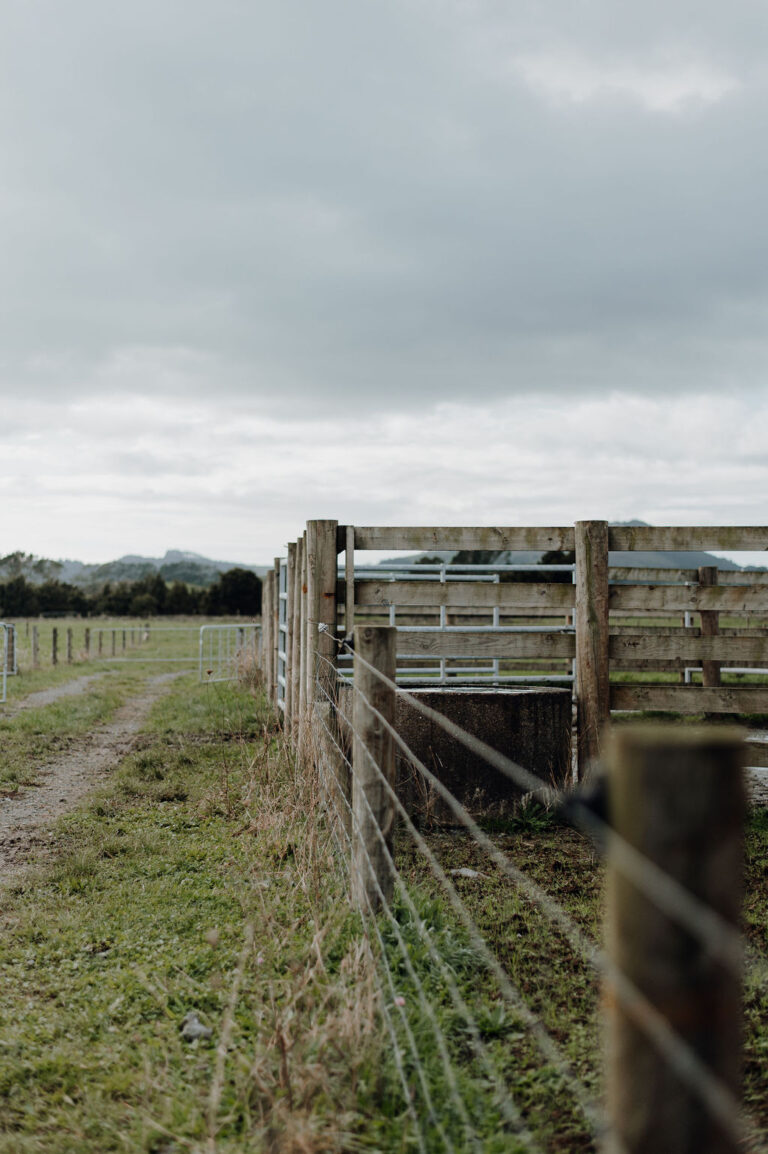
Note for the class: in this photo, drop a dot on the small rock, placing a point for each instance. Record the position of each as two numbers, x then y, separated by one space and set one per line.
192 1028
466 872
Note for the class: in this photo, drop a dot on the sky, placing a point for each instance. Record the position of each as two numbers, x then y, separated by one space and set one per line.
392 262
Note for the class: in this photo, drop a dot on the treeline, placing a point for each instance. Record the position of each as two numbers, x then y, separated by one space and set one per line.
238 591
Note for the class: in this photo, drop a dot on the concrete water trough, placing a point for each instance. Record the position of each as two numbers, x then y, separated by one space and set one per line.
529 725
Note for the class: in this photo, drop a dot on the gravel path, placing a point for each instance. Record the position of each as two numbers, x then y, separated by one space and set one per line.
26 816
49 696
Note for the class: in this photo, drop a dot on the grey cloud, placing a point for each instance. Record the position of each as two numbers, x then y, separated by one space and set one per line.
364 205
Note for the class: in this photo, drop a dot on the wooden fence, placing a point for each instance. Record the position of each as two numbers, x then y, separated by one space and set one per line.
609 621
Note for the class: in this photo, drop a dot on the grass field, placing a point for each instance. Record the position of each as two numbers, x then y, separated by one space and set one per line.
201 877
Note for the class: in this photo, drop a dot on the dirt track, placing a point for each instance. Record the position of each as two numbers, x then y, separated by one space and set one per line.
25 816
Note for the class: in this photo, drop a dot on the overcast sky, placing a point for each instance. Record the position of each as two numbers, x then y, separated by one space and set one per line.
388 261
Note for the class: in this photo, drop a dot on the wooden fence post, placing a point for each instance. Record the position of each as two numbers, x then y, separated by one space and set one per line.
69 646
321 602
373 757
275 629
35 646
267 618
710 627
302 700
295 669
123 640
101 642
11 647
290 573
677 796
87 641
349 580
592 633
54 646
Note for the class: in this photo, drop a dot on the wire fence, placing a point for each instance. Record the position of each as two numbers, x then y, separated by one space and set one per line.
362 821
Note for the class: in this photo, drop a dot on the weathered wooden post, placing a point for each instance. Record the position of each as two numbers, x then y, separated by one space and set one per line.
303 647
10 634
69 646
296 640
114 642
321 615
54 646
290 573
275 630
373 762
101 642
35 646
677 796
349 579
267 618
123 639
592 634
710 627
87 641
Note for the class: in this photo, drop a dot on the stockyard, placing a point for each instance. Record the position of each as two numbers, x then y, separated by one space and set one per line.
431 857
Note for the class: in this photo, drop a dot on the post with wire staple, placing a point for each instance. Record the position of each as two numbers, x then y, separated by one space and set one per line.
677 797
373 764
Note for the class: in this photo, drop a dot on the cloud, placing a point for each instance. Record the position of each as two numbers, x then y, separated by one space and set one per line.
240 484
671 86
349 207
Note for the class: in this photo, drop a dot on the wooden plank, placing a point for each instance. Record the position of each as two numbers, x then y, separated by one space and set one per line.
465 594
683 646
652 576
428 537
742 577
657 665
720 598
650 538
679 631
502 645
690 698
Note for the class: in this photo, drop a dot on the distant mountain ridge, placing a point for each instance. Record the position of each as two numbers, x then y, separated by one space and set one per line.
176 565
639 560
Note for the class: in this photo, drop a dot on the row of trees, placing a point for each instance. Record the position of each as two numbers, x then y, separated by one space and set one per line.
238 591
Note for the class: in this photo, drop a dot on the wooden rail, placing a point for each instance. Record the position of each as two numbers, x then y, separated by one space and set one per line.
632 620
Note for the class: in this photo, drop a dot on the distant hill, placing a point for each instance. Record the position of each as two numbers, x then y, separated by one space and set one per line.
671 560
176 565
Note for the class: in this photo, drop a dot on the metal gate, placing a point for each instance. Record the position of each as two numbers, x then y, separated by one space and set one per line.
226 651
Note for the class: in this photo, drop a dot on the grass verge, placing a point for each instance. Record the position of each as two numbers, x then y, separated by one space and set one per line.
196 881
